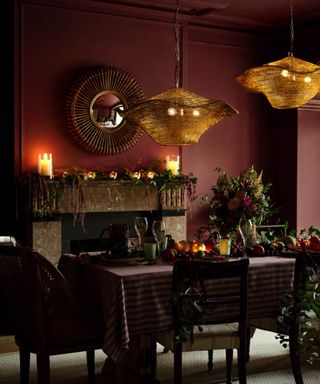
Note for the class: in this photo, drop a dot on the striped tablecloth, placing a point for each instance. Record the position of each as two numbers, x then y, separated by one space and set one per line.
133 300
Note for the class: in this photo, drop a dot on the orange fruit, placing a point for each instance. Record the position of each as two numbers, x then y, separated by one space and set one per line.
197 246
182 246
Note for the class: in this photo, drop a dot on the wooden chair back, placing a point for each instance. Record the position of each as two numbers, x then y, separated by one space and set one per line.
40 301
48 321
199 288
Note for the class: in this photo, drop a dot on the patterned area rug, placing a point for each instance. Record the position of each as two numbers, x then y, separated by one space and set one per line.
269 364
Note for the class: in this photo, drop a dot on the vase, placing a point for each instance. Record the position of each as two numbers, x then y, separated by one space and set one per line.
246 232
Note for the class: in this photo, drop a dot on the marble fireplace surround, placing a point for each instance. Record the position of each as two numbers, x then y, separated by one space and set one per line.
106 202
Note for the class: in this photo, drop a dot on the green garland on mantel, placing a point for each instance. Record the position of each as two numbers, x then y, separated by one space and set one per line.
44 190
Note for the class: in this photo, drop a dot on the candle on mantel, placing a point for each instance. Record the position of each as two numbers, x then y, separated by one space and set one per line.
45 164
173 164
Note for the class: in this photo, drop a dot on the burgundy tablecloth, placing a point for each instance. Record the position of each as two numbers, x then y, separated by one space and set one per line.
133 300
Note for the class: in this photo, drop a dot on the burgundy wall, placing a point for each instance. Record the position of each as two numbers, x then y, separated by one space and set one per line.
58 43
308 176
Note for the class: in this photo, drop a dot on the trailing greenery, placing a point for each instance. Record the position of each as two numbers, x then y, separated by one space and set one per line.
43 192
307 295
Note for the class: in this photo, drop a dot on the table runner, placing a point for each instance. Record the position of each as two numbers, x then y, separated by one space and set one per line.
133 300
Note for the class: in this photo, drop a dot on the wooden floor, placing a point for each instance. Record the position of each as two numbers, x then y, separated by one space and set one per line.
7 344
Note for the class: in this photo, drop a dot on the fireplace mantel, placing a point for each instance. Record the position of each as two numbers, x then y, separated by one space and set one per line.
98 197
110 196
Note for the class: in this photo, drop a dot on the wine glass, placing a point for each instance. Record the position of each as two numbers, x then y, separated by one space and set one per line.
158 231
140 226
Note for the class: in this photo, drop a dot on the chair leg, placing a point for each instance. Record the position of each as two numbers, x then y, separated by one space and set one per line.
91 365
24 365
210 360
178 364
229 358
242 361
248 343
43 368
153 358
294 356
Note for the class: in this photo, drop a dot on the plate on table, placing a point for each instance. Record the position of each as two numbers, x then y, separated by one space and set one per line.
124 261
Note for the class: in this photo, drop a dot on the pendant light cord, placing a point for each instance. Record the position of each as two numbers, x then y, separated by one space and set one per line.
291 29
177 46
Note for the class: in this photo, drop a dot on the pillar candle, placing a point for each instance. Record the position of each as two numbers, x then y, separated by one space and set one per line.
173 164
45 164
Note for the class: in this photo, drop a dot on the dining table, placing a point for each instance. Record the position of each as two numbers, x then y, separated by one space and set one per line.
132 300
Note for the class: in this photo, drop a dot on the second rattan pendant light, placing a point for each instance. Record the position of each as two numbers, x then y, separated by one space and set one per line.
177 116
286 83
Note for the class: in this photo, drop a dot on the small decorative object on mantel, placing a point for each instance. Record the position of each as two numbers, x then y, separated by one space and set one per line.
113 175
238 199
150 175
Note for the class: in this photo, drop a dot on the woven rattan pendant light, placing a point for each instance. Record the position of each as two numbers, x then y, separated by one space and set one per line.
286 83
177 116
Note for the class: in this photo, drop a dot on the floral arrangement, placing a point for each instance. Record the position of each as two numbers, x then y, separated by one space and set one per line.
242 197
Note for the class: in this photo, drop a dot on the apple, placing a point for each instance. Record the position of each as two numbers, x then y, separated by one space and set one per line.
258 250
314 242
210 246
169 254
182 245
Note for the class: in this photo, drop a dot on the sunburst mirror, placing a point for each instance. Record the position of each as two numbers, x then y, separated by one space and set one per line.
94 105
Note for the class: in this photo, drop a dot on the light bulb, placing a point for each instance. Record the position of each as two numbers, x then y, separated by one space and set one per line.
172 111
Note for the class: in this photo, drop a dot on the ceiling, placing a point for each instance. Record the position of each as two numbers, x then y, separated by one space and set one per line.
247 15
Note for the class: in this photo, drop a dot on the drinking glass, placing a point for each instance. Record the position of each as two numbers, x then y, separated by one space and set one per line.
158 231
140 226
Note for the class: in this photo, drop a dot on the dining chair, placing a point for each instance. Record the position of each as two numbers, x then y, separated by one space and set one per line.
200 290
48 321
6 322
8 240
302 263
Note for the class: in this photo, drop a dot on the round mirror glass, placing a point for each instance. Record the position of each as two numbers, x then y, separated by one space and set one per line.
94 110
105 110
